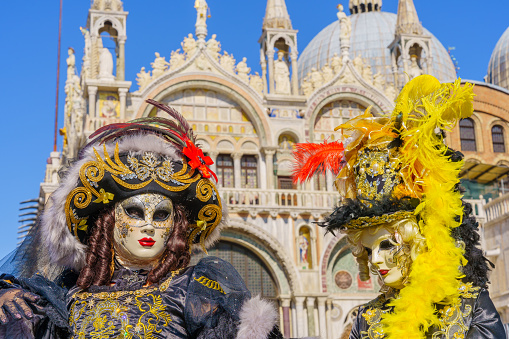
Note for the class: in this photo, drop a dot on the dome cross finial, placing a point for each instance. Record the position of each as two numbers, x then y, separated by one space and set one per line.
276 15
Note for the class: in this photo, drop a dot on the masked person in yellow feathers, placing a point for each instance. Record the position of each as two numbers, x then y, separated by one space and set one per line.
113 247
404 217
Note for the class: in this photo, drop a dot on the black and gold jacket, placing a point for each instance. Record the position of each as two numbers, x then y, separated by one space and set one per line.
473 316
202 301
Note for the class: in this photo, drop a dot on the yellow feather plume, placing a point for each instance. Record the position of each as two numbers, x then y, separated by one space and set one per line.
423 105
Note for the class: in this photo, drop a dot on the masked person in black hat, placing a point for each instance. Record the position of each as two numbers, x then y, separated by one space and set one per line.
110 255
404 217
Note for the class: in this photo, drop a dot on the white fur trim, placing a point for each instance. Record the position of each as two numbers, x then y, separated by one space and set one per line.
257 319
64 249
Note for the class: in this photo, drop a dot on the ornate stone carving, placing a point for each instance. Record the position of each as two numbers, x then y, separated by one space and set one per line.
203 64
281 74
316 78
307 87
358 63
379 81
201 12
336 63
243 70
87 52
177 59
415 70
214 47
227 61
159 66
107 5
143 79
367 74
327 73
106 65
256 83
345 26
189 46
347 77
390 91
71 63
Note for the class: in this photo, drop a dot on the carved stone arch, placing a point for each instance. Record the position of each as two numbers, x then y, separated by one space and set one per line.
247 150
505 129
325 259
289 42
295 135
227 138
474 158
252 108
272 246
115 23
343 92
502 160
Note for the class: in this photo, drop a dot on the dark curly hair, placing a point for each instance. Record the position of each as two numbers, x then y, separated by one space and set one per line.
99 253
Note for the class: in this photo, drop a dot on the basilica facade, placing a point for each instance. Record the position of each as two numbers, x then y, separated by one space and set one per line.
248 122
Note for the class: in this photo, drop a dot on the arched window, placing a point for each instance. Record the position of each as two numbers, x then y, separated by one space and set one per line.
249 171
252 269
497 135
467 135
225 171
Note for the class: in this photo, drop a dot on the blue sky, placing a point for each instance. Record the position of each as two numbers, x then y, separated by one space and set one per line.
28 40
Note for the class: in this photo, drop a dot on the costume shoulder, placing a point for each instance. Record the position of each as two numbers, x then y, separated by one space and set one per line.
486 322
219 305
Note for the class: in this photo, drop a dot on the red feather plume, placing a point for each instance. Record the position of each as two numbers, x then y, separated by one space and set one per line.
312 158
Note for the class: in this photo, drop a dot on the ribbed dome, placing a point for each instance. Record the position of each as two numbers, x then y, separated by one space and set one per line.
498 68
372 32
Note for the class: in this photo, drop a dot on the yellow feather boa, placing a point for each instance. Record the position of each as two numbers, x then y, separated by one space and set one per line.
423 105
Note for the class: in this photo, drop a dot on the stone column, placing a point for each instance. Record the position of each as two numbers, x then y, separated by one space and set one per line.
299 306
270 56
121 59
213 155
310 305
323 318
263 63
295 83
92 93
330 181
406 61
236 168
122 94
269 158
328 317
285 304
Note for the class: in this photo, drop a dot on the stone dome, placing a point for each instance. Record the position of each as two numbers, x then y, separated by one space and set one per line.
498 68
372 32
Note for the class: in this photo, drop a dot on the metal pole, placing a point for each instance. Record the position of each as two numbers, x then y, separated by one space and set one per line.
58 77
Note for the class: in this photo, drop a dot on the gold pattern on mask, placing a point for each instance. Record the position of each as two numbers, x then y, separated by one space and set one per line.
362 222
377 173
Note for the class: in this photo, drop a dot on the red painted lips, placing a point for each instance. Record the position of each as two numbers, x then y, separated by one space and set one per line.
383 272
147 242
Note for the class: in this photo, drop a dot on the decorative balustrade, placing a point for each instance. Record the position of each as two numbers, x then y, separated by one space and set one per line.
478 209
279 200
92 124
497 207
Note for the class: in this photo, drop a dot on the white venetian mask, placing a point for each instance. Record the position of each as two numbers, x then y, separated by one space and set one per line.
143 224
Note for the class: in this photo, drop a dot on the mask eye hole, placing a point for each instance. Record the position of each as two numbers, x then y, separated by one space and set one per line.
135 212
161 215
386 245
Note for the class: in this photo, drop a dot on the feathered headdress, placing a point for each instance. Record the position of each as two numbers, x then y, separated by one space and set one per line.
398 166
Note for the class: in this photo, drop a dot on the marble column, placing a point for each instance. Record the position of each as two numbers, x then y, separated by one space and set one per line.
269 158
213 155
263 63
328 317
285 304
270 57
92 95
236 168
322 316
299 306
310 305
330 181
121 59
122 94
295 83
